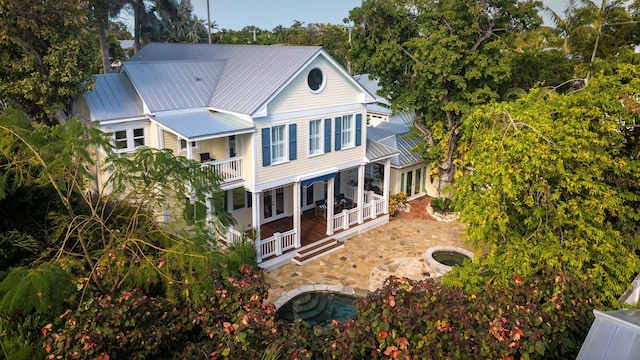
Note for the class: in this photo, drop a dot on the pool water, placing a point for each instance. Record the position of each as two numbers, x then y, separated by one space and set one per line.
450 258
318 308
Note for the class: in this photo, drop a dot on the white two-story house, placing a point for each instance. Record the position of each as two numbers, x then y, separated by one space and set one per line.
283 125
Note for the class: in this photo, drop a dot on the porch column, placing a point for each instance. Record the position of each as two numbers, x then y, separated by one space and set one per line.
297 211
360 193
330 210
189 150
255 220
387 185
160 137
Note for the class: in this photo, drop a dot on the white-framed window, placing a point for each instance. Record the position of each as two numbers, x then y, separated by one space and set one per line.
195 145
237 199
278 144
129 139
316 137
348 135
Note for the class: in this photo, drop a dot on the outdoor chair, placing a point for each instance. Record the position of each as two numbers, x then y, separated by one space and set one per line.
344 202
204 157
321 209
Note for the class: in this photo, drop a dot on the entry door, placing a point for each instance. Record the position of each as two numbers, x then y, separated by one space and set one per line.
273 204
231 140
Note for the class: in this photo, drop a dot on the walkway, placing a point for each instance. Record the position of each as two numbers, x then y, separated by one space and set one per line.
367 259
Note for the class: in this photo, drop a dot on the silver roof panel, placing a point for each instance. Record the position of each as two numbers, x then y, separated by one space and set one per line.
175 85
199 124
252 73
113 97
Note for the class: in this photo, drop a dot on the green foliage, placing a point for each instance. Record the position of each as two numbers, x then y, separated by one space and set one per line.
549 67
555 181
230 321
464 61
442 205
46 55
42 289
17 249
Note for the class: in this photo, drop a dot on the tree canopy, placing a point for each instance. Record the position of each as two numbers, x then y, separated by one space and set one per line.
46 55
437 59
555 179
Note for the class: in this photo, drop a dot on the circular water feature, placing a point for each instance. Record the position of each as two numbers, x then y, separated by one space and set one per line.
450 258
444 258
318 307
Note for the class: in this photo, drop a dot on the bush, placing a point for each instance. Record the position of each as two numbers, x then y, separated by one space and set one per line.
442 205
228 322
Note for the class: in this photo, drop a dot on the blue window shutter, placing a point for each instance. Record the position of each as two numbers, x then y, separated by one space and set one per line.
292 142
327 135
266 147
338 133
358 129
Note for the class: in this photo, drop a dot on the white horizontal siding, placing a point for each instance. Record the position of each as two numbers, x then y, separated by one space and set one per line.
297 96
303 163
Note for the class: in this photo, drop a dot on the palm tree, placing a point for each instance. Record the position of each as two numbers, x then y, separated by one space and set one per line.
564 25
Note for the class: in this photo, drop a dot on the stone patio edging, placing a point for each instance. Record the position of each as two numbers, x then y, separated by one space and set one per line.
442 268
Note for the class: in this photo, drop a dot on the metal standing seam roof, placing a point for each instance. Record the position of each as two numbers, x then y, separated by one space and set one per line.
190 124
395 136
378 151
175 85
251 74
113 97
371 85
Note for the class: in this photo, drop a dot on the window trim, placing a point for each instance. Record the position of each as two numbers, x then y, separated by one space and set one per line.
230 198
323 81
130 138
284 141
195 145
352 131
320 136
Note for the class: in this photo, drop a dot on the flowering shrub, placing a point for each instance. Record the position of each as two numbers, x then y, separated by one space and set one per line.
134 326
542 316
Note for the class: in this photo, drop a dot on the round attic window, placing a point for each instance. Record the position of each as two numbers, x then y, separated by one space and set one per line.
315 79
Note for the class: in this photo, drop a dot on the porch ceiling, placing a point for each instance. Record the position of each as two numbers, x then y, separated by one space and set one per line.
201 124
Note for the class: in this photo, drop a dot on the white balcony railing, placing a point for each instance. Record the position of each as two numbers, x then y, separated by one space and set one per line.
227 169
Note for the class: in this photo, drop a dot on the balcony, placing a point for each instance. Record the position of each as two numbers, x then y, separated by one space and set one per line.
228 170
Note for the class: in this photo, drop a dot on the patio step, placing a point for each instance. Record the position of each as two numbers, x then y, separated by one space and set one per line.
321 248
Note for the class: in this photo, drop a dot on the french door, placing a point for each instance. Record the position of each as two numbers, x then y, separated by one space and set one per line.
273 204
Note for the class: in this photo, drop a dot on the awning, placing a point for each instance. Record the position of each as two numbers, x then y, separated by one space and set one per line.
318 178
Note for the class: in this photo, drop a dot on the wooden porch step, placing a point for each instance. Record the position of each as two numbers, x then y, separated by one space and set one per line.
319 249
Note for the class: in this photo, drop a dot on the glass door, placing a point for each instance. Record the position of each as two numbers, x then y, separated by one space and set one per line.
273 204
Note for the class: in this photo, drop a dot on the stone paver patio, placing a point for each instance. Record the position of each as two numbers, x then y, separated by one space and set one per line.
366 260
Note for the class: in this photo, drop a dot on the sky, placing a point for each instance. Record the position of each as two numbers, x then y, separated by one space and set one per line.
267 14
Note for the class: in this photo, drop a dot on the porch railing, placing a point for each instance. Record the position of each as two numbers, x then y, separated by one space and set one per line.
373 205
345 219
351 192
228 169
276 244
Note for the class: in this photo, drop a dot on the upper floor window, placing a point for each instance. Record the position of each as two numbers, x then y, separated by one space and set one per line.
348 131
183 145
315 137
315 80
129 139
279 144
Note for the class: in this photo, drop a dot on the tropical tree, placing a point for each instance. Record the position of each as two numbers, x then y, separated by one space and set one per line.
46 56
555 181
105 239
437 59
564 25
603 30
